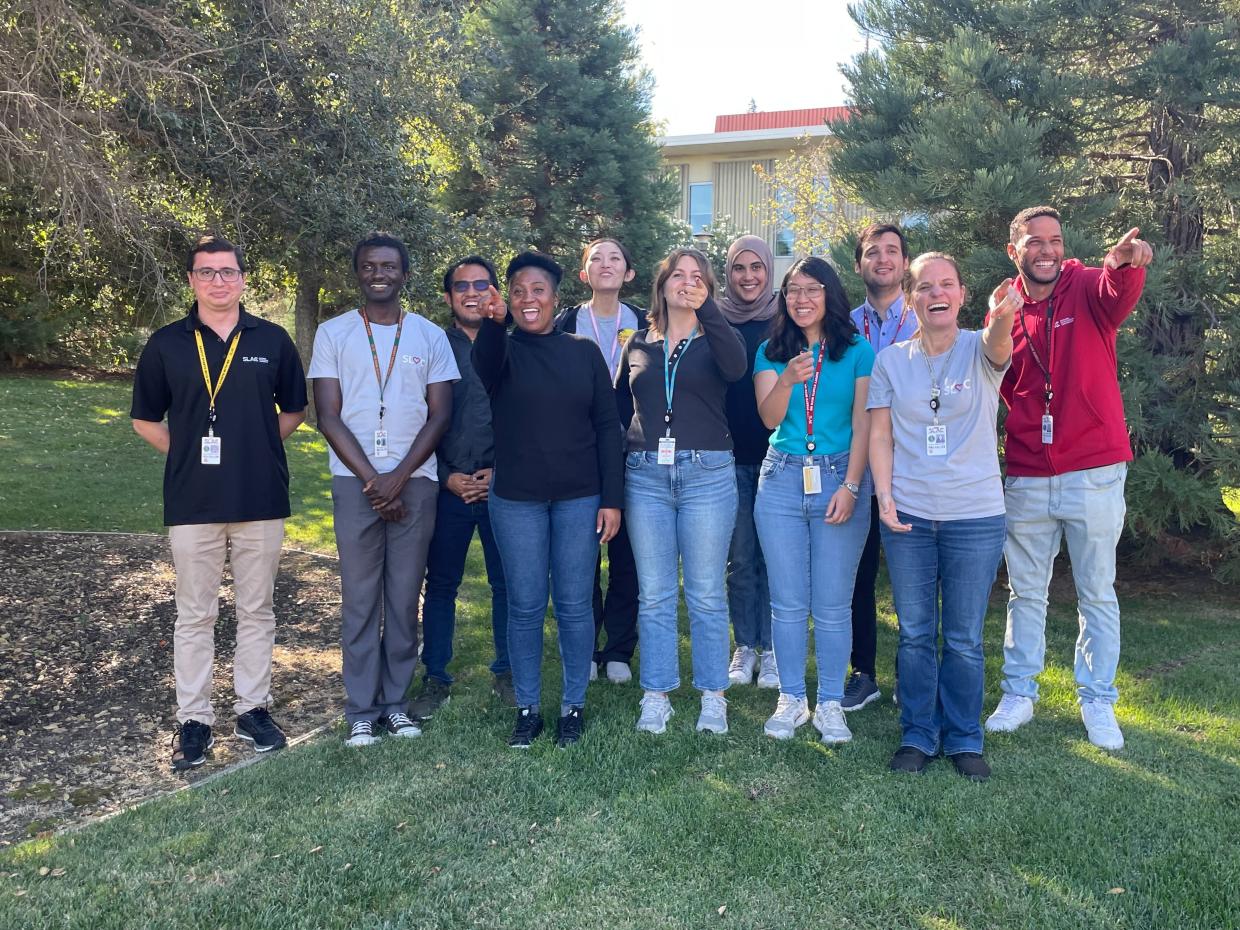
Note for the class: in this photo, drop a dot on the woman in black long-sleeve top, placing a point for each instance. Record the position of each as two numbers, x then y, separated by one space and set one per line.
554 416
680 484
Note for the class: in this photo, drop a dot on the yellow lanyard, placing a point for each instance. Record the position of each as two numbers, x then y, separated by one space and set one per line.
213 392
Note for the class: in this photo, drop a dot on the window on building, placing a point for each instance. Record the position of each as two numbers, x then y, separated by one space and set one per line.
701 206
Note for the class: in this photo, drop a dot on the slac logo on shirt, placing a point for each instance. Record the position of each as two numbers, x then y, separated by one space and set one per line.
259 359
412 359
960 386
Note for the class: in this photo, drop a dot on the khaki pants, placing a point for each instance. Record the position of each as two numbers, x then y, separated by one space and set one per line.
198 552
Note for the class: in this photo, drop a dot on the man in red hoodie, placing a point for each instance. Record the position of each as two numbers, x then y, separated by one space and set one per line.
1067 457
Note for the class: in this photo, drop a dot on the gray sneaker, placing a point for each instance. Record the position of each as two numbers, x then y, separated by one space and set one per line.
656 709
714 715
829 721
435 694
859 690
790 713
768 671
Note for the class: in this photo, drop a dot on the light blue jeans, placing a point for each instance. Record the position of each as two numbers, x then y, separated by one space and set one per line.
1087 509
811 566
681 515
548 547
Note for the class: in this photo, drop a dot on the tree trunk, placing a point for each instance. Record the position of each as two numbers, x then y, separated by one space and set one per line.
306 314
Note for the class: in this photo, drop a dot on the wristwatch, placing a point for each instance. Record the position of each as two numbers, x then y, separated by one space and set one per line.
854 489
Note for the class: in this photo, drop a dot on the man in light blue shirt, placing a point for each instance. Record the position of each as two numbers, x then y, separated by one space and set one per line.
884 319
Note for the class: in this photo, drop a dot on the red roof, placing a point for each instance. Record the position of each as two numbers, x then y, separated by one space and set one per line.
779 119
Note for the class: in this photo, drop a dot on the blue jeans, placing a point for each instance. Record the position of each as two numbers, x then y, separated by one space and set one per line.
548 547
455 522
941 575
681 514
812 565
749 600
1087 509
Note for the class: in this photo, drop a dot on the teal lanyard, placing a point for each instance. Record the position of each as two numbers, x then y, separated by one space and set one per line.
669 375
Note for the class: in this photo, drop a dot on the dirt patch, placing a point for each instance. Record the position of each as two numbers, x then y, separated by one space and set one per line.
87 702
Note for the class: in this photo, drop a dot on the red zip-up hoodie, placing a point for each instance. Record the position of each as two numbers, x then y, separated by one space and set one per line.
1090 430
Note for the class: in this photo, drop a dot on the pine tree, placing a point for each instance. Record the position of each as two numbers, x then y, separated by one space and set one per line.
567 146
1121 115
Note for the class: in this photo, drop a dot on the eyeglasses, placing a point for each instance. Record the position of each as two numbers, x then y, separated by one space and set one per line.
813 292
462 287
227 275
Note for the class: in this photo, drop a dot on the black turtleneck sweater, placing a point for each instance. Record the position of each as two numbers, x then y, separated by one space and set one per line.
553 412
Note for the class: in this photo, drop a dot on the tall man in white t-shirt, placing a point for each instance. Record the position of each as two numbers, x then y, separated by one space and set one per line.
383 391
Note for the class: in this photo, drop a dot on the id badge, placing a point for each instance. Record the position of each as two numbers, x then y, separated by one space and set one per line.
811 479
1048 429
667 450
210 450
936 439
381 447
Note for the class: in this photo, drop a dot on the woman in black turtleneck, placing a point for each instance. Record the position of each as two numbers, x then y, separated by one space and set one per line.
557 488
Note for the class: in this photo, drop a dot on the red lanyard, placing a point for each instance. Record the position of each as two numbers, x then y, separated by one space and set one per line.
811 398
374 356
1047 393
865 318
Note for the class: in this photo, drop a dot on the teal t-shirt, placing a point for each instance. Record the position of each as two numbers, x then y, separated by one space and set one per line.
833 405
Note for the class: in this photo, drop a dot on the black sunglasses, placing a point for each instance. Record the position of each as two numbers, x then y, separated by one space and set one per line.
462 287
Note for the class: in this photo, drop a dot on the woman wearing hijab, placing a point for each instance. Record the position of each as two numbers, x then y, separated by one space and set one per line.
749 304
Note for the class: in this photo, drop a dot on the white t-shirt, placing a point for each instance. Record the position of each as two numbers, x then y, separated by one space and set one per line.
608 330
964 484
424 357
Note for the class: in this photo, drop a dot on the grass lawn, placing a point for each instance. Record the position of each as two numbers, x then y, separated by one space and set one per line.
629 831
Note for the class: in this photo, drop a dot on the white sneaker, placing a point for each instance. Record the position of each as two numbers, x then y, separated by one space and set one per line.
744 661
362 734
619 673
789 714
714 715
594 671
1100 724
1013 712
829 721
768 671
656 710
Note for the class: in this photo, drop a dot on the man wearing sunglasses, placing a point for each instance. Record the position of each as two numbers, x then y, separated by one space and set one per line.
219 375
465 456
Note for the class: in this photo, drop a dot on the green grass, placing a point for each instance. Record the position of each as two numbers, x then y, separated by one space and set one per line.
628 831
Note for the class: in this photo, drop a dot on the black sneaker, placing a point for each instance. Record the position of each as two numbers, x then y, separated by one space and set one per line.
859 690
190 742
529 725
400 725
256 726
568 730
971 765
909 759
435 694
502 688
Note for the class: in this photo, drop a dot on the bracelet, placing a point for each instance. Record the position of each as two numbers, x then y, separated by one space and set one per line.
853 489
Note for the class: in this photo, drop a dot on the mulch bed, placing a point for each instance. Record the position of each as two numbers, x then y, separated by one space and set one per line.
87 702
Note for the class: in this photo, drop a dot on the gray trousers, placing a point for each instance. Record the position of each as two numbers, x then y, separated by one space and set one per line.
381 570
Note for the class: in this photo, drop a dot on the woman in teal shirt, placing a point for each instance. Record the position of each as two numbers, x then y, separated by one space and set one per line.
811 378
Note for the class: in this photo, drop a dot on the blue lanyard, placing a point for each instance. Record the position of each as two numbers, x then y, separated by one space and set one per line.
669 375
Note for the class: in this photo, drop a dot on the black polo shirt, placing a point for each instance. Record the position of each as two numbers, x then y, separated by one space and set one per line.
251 481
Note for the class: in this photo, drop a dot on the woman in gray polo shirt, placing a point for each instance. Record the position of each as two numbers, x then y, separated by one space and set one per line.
933 454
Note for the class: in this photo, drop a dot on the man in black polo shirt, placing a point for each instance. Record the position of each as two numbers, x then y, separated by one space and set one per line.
218 376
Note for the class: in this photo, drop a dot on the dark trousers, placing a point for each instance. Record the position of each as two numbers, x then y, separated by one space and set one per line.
617 613
381 569
864 612
445 568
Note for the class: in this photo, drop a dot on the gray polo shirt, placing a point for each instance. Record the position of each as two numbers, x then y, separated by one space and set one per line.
964 484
